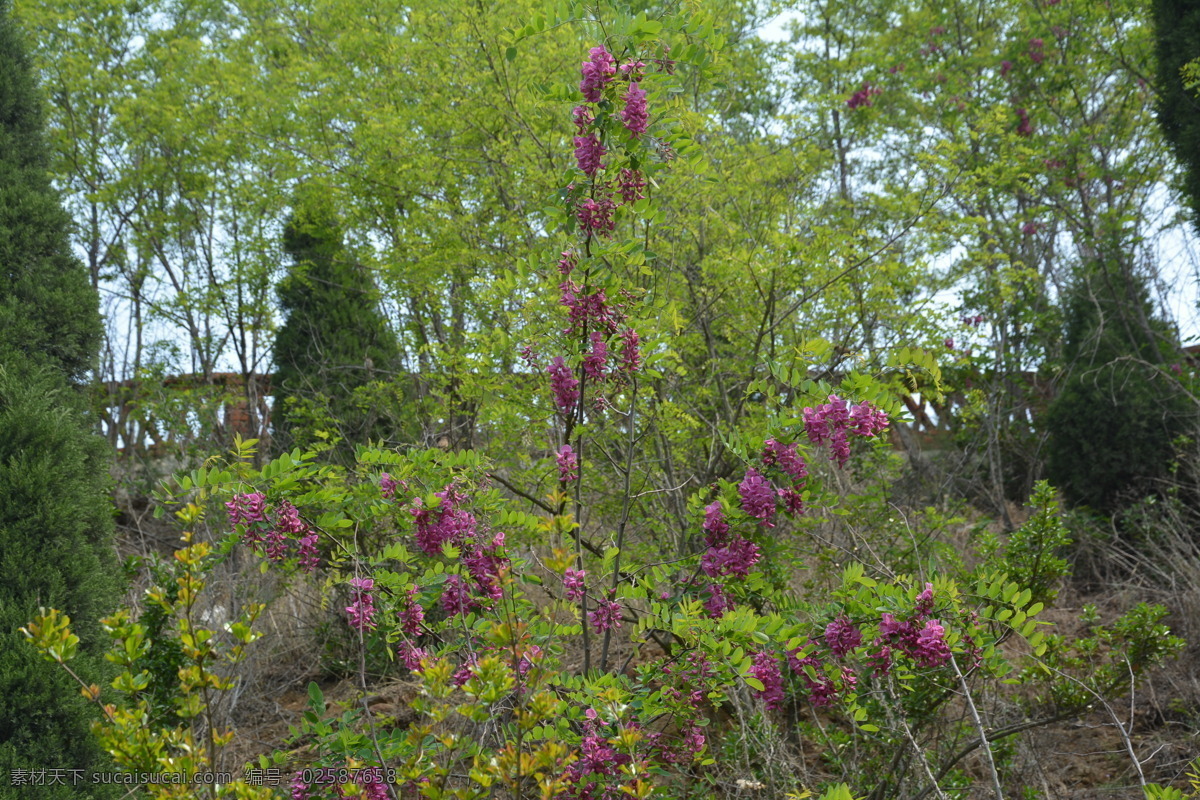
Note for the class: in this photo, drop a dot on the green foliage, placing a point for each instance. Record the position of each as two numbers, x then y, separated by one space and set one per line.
165 724
1032 554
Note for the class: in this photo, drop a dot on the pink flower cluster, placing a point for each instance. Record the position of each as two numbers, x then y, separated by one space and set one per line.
596 216
606 616
833 422
564 386
630 185
634 114
822 690
568 464
588 310
573 584
862 98
444 523
1036 55
736 558
274 539
361 610
920 638
596 359
247 509
766 670
588 153
388 486
1024 124
842 636
758 497
598 72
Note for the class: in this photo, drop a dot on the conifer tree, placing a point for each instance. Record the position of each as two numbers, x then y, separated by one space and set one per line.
1177 38
1112 424
55 525
334 339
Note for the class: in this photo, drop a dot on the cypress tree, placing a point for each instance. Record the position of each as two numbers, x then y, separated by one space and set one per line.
55 522
334 338
1117 413
49 312
1177 42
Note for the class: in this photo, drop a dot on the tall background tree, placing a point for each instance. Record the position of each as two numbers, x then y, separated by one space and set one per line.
55 524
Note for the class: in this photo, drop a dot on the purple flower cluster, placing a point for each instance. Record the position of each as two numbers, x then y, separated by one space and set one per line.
247 509
736 558
573 584
715 526
862 98
630 185
822 690
388 486
766 670
586 311
411 613
588 153
832 422
446 522
758 497
596 359
567 263
718 601
361 610
568 464
634 114
1024 124
274 538
842 636
606 616
786 458
631 354
596 216
564 386
920 638
1036 54
597 73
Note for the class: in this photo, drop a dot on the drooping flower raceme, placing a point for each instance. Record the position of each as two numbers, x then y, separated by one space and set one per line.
758 498
634 114
596 358
568 464
737 559
247 509
766 670
715 526
361 610
573 584
564 385
588 153
931 649
786 458
630 185
597 73
631 356
606 616
842 636
596 216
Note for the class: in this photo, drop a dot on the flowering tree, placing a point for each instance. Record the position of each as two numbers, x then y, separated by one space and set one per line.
562 645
